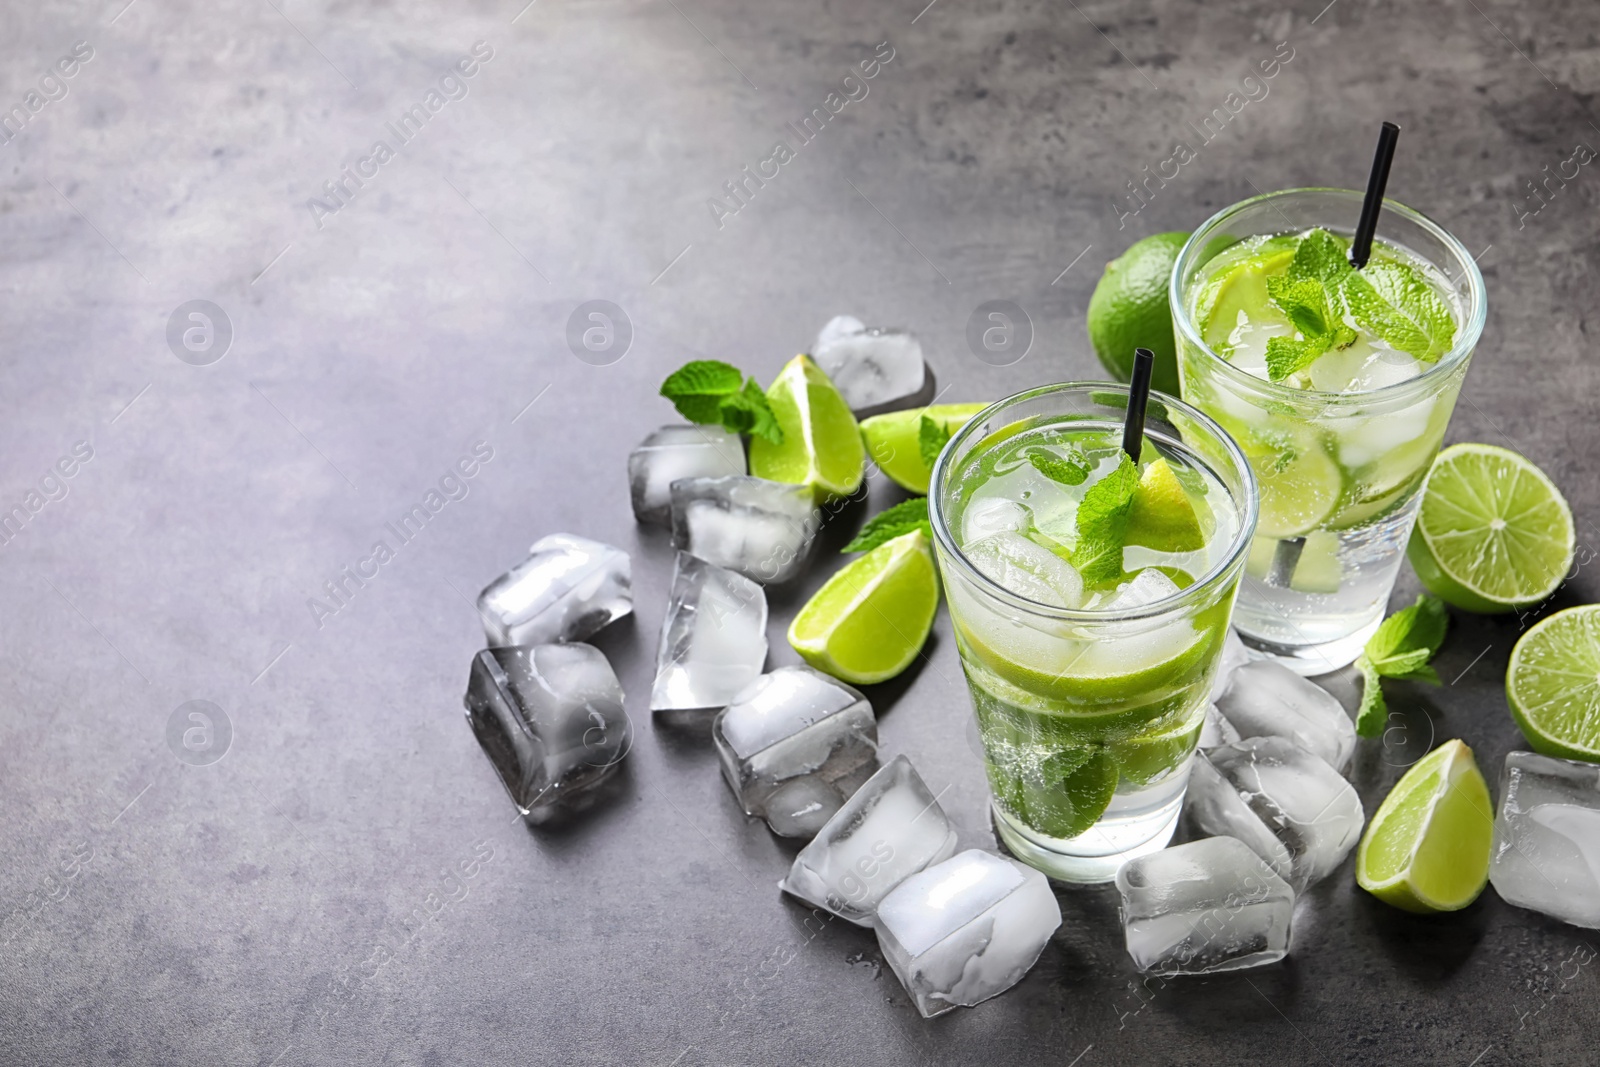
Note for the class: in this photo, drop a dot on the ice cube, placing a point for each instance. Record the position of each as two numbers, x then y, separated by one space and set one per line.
873 367
550 719
759 528
991 515
794 721
891 828
837 327
1546 853
802 806
1266 699
1147 587
1234 655
1026 569
1214 806
567 589
1216 730
1311 812
966 929
674 452
1204 907
713 640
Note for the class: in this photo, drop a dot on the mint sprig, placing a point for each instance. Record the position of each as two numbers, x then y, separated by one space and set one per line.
890 523
1102 522
1401 648
1315 314
1069 469
712 393
932 436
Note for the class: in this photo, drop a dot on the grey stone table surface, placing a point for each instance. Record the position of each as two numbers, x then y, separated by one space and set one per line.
347 883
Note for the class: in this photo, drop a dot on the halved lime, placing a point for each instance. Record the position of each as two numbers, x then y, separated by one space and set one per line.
1494 533
821 443
1427 848
1300 488
1162 516
1553 684
894 441
868 622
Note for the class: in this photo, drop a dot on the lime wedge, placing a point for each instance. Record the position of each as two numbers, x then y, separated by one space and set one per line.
868 622
1162 516
1299 489
1494 534
821 443
1553 684
894 441
1153 754
1427 848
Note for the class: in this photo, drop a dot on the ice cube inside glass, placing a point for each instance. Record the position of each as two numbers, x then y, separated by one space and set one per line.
675 452
568 588
1546 852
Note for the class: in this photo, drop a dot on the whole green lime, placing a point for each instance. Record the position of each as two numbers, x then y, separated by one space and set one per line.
1129 310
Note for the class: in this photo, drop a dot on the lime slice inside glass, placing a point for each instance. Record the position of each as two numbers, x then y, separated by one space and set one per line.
1427 848
821 445
868 622
1300 488
1154 754
1553 684
1494 534
894 441
1162 516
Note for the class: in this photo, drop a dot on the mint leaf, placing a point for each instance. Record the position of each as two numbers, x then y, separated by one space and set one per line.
1305 302
1071 469
1322 257
1394 302
890 523
747 411
1313 312
1286 357
1103 524
696 389
931 439
1400 648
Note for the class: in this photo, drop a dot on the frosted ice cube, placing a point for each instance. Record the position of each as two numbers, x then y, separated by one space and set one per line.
713 640
837 327
794 721
1546 853
568 588
891 828
1147 587
759 528
873 367
1266 699
1312 812
1214 806
1204 907
1234 655
674 452
550 719
966 929
1026 569
802 806
1216 730
992 515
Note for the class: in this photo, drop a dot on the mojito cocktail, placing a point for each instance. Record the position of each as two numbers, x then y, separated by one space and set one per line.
1338 384
1090 595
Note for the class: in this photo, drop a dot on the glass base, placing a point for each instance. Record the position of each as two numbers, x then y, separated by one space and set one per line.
1311 660
1094 856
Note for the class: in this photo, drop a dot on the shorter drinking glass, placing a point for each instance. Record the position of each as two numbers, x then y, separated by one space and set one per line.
1089 682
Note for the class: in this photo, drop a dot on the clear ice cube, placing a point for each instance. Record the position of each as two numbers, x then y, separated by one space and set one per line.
759 528
1264 698
1026 569
550 719
992 515
1147 587
891 828
837 327
675 452
802 806
1311 812
1204 907
791 722
1546 853
1216 730
873 367
567 589
713 640
1234 655
966 929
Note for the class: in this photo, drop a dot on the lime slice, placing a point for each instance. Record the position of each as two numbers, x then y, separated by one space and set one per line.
1494 534
1299 489
1154 754
868 622
894 441
1553 684
1427 848
821 443
1162 517
1242 287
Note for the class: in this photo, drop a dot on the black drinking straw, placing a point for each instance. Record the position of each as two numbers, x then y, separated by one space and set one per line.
1361 244
1144 362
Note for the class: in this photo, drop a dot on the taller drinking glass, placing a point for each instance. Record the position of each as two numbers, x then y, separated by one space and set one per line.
1337 384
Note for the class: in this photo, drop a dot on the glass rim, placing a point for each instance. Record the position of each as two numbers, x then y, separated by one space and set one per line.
1247 501
1466 339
